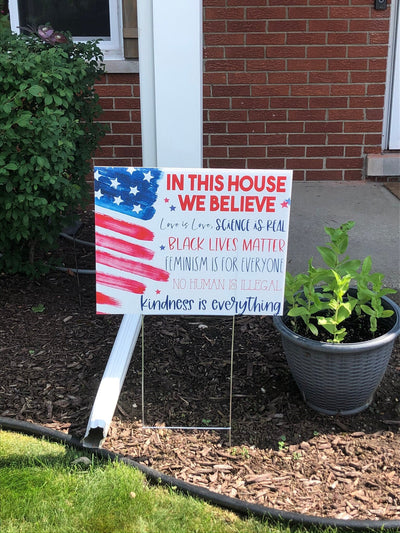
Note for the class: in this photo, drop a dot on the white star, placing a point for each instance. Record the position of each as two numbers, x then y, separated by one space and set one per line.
148 177
96 175
98 194
134 190
131 170
114 183
136 209
118 200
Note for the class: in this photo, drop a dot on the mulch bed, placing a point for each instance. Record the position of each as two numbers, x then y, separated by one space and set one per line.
54 349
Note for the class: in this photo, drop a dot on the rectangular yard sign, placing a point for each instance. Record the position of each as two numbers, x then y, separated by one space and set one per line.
191 241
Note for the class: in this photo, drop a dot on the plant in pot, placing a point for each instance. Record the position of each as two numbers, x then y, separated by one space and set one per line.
48 133
338 328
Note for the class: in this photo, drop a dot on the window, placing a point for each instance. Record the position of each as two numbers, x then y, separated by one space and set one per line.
114 22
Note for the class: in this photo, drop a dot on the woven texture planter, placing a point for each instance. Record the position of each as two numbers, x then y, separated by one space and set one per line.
339 378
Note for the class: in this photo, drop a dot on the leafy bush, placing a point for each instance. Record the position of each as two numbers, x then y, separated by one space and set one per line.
321 296
48 134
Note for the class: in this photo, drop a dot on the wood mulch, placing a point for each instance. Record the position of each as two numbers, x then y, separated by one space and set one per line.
53 350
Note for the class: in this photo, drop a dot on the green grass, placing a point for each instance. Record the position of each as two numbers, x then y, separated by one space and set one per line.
42 490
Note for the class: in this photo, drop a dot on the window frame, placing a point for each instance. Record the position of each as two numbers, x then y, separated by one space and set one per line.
112 49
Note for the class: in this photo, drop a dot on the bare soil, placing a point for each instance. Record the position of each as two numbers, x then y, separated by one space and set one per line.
54 349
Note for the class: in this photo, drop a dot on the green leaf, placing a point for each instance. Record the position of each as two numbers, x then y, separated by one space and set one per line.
328 255
36 90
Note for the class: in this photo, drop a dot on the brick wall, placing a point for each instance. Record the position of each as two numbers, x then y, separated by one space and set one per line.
293 84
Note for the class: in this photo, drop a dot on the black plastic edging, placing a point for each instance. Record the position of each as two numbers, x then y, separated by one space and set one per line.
232 504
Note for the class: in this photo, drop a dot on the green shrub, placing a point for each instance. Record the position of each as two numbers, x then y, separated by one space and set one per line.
48 134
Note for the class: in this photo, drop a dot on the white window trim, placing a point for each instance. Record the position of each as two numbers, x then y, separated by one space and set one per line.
113 50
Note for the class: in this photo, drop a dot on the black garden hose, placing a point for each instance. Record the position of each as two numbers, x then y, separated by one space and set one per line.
232 504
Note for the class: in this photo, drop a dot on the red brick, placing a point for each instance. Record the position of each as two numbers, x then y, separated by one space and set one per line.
289 151
215 78
345 138
266 162
350 89
250 103
214 26
326 51
321 175
128 151
246 52
116 140
265 65
246 26
308 38
367 102
329 77
247 77
329 102
215 151
367 51
307 65
374 114
344 162
127 103
304 163
270 90
368 25
267 13
224 65
114 90
348 38
285 127
345 114
307 138
126 127
223 39
287 77
290 102
364 126
286 51
329 25
214 52
247 151
326 126
308 13
265 38
353 175
353 151
310 90
267 115
106 103
216 103
117 116
376 89
230 90
246 127
377 64
379 38
227 115
325 151
349 12
287 25
228 140
123 79
347 64
268 139
232 13
309 114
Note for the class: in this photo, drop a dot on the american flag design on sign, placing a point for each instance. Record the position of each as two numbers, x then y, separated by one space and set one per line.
124 198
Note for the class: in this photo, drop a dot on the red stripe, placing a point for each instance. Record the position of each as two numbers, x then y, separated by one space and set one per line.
124 247
108 300
134 267
125 228
120 283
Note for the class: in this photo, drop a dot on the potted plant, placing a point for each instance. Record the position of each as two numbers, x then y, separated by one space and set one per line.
338 328
48 133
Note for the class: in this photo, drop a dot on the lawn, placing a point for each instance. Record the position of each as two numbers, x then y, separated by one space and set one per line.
47 487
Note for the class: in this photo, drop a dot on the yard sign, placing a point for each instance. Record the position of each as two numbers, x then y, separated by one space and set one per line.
191 241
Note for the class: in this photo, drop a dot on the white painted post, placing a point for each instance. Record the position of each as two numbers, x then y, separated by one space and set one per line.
170 66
